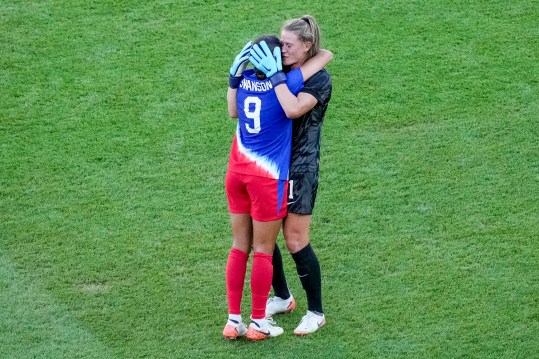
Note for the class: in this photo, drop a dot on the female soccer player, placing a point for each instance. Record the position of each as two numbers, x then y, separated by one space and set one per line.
256 180
300 39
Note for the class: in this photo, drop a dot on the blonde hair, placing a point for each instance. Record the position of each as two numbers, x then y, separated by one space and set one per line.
307 30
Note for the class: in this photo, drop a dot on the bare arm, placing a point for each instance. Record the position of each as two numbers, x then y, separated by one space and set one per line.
297 106
294 106
236 74
316 63
231 99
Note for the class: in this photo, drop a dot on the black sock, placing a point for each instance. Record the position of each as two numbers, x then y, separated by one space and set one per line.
280 287
308 269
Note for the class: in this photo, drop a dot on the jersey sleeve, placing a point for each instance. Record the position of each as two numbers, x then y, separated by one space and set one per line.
294 81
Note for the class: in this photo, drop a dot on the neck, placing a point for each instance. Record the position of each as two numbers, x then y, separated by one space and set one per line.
297 65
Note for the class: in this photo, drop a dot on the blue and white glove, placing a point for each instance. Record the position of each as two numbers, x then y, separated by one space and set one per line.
239 65
269 63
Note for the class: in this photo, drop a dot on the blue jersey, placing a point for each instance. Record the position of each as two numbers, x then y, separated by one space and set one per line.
263 139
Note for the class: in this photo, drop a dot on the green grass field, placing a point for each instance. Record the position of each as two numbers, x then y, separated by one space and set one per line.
114 141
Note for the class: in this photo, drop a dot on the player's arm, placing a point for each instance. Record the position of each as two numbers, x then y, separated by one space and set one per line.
294 106
316 63
297 106
236 75
232 104
270 63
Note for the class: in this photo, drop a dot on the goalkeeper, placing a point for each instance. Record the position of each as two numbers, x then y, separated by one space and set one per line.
300 39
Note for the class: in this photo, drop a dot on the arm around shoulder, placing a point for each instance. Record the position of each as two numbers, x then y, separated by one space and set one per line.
316 63
294 106
297 106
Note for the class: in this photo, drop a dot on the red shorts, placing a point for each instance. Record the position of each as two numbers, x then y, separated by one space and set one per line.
263 198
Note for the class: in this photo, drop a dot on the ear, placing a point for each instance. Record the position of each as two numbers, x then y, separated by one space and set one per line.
307 45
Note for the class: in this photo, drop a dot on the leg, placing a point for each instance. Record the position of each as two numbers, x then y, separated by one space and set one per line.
242 231
279 284
308 268
239 206
236 266
296 233
264 236
282 301
268 208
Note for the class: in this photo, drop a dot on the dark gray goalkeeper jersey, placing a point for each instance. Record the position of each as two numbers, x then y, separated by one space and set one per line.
307 130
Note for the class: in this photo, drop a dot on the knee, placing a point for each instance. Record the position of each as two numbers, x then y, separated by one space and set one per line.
244 246
295 241
266 248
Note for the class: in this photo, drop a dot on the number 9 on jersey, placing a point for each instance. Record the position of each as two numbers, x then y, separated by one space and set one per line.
251 107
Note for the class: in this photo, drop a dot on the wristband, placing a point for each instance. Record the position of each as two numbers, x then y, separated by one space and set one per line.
234 81
278 78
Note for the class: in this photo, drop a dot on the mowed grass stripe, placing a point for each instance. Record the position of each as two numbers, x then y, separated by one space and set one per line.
35 325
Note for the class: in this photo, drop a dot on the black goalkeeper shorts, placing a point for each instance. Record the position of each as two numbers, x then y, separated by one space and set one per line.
302 188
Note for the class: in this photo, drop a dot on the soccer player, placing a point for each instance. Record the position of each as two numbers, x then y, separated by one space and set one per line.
256 180
300 39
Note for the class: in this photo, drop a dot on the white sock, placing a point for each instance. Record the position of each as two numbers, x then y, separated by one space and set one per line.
235 318
262 323
286 300
316 313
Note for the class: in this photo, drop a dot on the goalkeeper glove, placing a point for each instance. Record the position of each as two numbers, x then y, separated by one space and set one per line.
269 63
238 66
